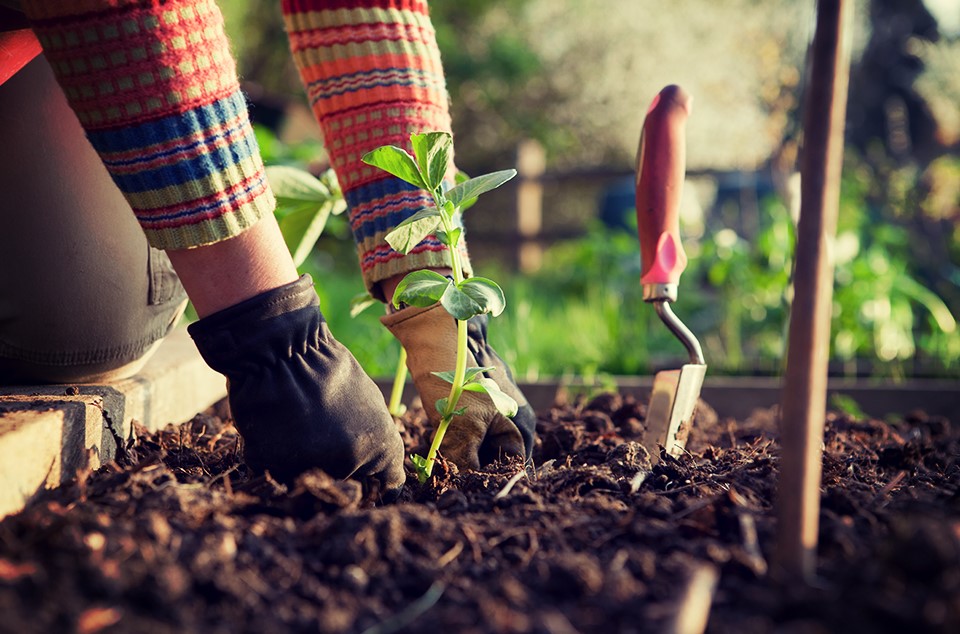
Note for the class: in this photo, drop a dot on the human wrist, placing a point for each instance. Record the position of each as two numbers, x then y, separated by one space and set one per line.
220 275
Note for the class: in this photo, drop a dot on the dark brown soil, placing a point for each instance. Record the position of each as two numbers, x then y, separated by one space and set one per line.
180 538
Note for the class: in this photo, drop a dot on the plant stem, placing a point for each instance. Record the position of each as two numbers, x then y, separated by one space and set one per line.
396 394
461 368
455 391
460 371
435 446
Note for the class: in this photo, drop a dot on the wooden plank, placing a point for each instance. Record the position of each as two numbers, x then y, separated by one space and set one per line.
29 456
49 432
47 440
172 387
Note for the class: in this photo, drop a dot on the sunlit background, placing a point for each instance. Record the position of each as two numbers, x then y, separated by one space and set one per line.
571 79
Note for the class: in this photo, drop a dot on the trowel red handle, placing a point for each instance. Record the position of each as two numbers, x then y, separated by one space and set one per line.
661 164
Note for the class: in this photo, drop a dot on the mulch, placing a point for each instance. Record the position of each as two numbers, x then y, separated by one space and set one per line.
179 537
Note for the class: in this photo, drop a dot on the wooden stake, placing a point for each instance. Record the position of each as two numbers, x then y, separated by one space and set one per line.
803 405
531 164
693 612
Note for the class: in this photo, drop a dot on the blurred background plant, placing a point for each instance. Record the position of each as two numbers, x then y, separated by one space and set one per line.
525 69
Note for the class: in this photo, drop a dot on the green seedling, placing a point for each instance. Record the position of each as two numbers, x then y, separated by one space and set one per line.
304 204
358 304
462 298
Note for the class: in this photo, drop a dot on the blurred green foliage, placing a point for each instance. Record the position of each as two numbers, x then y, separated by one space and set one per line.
583 313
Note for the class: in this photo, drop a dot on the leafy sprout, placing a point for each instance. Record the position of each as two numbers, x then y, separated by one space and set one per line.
462 298
304 204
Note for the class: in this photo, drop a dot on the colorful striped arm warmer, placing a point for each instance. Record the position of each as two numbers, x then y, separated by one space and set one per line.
154 85
372 72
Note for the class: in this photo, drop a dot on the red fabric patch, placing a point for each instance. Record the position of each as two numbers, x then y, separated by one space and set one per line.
17 48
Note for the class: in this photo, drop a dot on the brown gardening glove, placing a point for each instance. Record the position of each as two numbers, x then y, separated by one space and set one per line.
482 434
298 397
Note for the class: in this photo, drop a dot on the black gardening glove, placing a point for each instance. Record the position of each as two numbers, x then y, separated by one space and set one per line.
525 419
298 397
482 434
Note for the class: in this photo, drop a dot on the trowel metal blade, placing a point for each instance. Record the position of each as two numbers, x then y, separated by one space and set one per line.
670 411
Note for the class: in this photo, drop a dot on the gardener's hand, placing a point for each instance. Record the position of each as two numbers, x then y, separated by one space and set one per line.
482 434
298 397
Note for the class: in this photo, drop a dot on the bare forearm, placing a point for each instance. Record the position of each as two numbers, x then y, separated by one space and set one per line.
224 273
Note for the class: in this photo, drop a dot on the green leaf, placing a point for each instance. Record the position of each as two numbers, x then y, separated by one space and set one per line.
421 288
929 300
302 228
504 403
339 206
450 239
449 210
463 177
459 304
486 293
329 179
468 377
469 190
432 152
291 185
441 406
411 232
361 302
396 161
420 465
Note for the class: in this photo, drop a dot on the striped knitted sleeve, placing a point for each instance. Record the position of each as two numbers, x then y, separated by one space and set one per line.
155 87
372 72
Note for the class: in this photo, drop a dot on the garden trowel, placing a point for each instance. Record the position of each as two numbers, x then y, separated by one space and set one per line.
661 164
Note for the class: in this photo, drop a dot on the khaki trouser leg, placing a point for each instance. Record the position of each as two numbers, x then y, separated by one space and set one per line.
82 296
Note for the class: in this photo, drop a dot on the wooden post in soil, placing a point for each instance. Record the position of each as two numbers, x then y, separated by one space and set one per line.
531 164
803 404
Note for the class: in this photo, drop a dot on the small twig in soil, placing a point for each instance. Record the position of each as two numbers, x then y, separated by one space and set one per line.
603 540
474 546
227 483
888 487
212 443
694 608
410 613
731 437
224 475
545 468
693 508
450 555
502 537
534 547
751 544
685 487
556 623
509 485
